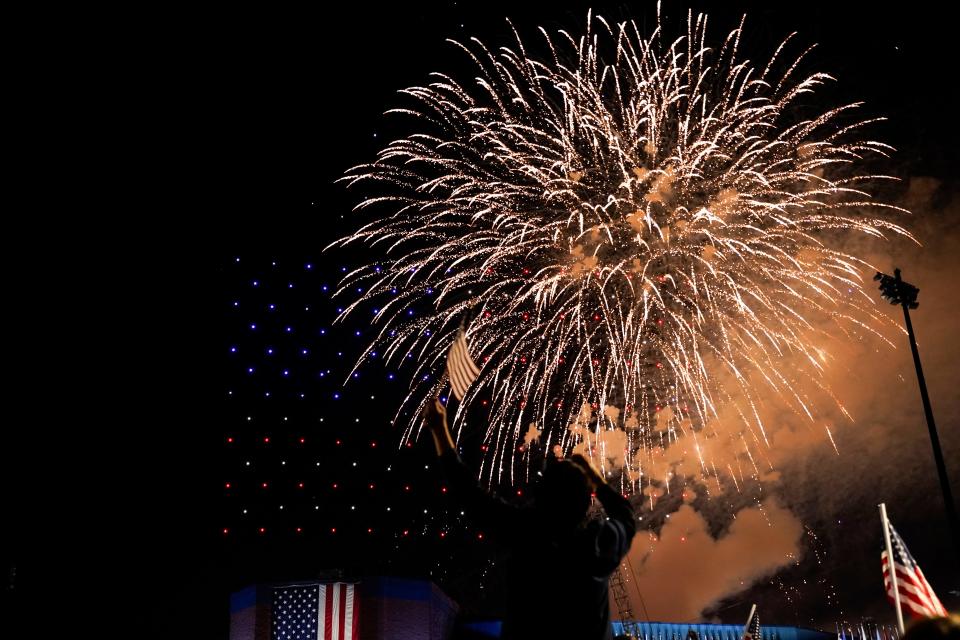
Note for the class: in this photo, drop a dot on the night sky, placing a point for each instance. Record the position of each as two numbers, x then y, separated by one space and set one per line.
225 448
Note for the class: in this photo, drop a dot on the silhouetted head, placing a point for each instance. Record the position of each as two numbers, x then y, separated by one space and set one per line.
944 628
563 495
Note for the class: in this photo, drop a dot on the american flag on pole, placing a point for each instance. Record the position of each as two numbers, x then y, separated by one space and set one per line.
460 366
751 630
915 593
315 612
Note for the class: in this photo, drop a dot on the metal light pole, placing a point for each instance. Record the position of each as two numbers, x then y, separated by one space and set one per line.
896 291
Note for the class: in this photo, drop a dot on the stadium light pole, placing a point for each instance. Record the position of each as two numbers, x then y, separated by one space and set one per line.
895 291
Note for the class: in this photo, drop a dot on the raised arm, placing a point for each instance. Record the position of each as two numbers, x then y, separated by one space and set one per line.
489 512
616 534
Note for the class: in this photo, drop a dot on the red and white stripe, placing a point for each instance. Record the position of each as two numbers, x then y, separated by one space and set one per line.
461 368
338 612
915 592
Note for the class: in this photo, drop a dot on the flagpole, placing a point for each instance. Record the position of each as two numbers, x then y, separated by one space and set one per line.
746 627
893 566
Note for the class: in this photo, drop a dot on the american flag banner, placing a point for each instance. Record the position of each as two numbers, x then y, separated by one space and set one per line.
314 612
461 369
915 593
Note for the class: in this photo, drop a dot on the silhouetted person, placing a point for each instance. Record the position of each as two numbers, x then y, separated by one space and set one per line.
943 628
560 563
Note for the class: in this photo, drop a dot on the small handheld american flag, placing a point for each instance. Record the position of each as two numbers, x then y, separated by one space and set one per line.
461 370
915 593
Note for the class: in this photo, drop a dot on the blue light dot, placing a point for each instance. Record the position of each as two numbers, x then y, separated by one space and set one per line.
356 375
336 396
303 395
233 349
253 326
389 376
443 399
256 284
324 288
373 354
304 352
290 286
426 377
322 374
377 269
309 266
286 372
376 311
343 268
272 307
427 332
359 290
270 352
289 329
249 369
429 291
357 333
267 394
238 260
409 312
273 263
236 303
323 332
340 354
394 291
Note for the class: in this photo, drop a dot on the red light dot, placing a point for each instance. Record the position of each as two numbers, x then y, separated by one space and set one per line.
443 534
409 444
683 538
333 529
405 532
266 439
369 530
443 489
229 439
593 494
373 444
299 530
339 443
302 440
371 485
406 488
596 316
519 492
480 536
300 485
334 485
264 485
226 531
262 530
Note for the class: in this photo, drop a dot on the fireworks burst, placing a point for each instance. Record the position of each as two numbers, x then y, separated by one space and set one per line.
641 234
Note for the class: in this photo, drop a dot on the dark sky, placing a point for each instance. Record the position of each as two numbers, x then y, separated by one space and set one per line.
264 109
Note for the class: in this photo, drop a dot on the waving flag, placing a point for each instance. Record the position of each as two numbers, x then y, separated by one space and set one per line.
460 366
914 592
